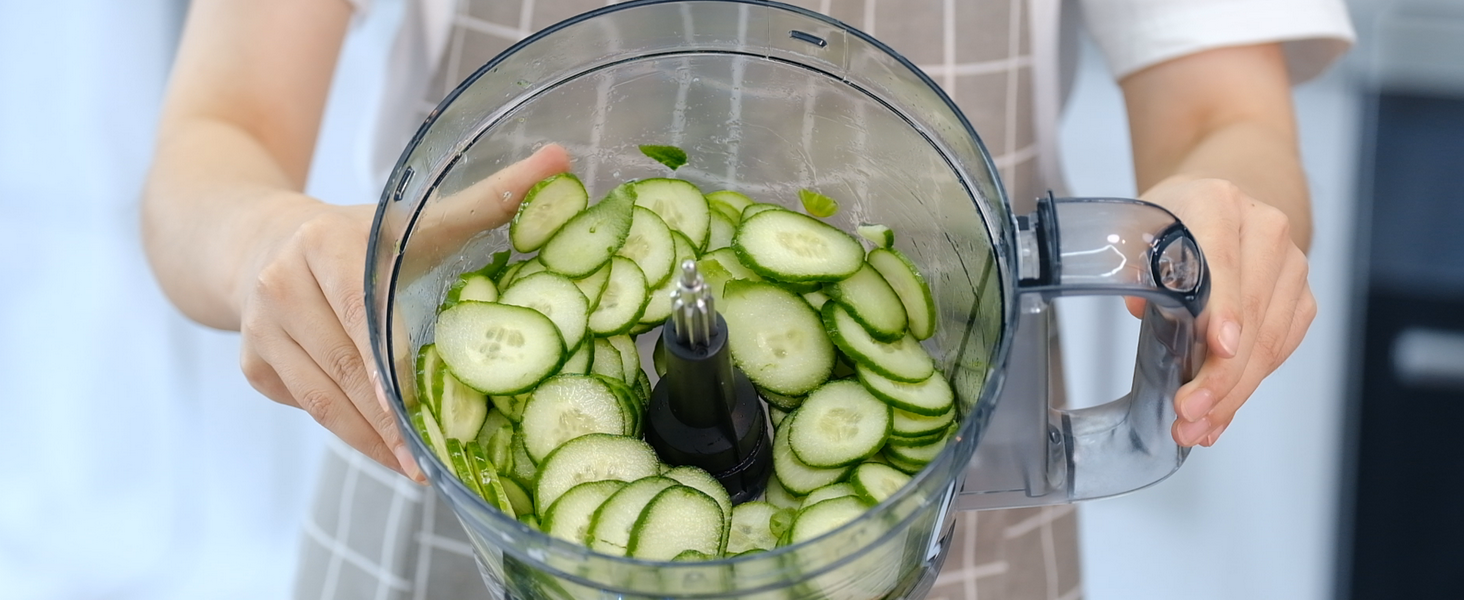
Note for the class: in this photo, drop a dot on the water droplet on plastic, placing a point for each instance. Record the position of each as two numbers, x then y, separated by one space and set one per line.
615 174
507 195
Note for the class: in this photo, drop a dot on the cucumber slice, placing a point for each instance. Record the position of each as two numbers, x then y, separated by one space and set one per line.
905 424
733 202
524 471
787 403
932 397
471 286
776 416
921 454
879 235
630 404
903 360
498 348
531 266
782 521
607 360
875 481
556 297
458 460
839 424
677 519
506 276
489 482
788 246
796 476
751 528
517 497
775 338
917 440
593 457
901 464
591 237
612 524
580 360
495 425
511 405
816 299
721 232
679 203
593 285
658 308
624 299
758 207
826 516
569 518
629 357
731 215
907 283
692 556
779 496
702 481
463 409
872 302
546 208
499 449
565 407
829 492
429 377
432 435
649 246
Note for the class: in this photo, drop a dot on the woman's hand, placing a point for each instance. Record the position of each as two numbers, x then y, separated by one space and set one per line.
1260 303
303 311
1214 134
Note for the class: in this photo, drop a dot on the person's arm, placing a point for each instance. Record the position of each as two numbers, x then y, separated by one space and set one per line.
1214 140
235 243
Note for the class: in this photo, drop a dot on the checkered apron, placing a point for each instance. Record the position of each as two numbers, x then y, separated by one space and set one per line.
374 535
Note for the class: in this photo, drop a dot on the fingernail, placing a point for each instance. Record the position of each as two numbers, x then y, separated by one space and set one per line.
409 464
1229 338
1191 431
1197 405
1214 436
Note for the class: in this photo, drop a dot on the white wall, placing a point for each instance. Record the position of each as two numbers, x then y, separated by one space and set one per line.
1253 517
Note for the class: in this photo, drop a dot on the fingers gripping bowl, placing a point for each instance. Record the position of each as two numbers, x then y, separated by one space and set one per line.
768 101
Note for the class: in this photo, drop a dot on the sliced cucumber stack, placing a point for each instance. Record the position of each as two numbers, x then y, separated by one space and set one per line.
533 392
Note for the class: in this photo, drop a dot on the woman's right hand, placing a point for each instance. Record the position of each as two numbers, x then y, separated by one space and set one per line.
303 310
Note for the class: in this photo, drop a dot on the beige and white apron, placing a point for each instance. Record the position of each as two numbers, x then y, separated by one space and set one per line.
374 535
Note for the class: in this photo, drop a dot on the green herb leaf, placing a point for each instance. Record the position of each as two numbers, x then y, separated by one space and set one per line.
670 156
817 204
490 270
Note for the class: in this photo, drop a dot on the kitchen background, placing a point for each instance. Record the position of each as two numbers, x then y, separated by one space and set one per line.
134 462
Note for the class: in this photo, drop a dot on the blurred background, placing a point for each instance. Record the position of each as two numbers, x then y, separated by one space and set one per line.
141 465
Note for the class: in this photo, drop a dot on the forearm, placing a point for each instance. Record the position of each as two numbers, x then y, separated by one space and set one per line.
235 138
213 197
1250 142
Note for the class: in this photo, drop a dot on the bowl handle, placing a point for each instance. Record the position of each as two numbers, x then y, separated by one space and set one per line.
1032 453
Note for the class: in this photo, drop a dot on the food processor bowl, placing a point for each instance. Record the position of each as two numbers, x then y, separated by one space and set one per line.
768 99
